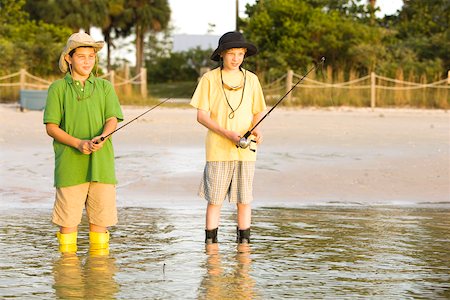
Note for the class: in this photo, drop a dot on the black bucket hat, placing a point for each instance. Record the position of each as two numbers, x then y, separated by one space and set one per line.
233 39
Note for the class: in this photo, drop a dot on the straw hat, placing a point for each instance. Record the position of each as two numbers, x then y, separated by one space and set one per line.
233 39
79 39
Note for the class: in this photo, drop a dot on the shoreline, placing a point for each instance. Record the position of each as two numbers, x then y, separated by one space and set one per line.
310 157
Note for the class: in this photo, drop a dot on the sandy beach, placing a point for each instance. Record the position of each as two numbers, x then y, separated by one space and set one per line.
343 156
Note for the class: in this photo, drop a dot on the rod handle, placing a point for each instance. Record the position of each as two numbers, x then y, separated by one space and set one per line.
247 134
101 138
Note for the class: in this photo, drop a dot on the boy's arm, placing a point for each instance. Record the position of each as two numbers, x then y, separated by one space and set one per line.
110 126
204 119
63 137
257 132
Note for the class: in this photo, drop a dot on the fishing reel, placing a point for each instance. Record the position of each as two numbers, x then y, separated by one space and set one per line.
245 142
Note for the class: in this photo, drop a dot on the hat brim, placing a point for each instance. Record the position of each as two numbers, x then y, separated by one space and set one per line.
63 64
251 49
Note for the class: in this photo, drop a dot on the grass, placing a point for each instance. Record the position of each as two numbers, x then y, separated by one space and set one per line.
183 89
180 92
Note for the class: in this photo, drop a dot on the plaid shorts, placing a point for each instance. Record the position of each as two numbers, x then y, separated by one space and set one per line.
232 178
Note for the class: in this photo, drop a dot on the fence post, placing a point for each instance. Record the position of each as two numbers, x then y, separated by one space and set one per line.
144 82
373 82
289 76
112 74
23 78
127 86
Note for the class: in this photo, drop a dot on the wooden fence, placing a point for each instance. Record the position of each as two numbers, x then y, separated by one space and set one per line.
23 80
369 91
372 90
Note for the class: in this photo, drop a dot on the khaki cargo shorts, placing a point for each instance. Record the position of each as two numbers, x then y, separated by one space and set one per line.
227 178
98 198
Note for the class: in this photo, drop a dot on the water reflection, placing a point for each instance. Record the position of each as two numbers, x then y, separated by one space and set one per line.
91 279
68 275
220 283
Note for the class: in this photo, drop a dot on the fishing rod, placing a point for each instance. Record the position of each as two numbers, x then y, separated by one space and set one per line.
244 142
152 108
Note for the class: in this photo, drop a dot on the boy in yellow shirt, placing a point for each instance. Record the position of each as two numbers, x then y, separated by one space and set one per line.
229 102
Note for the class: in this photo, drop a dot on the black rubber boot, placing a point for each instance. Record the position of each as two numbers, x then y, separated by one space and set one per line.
211 236
243 236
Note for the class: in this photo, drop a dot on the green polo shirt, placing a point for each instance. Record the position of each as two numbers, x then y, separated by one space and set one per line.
82 113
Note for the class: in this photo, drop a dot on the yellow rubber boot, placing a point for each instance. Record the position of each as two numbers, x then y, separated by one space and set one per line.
67 242
99 243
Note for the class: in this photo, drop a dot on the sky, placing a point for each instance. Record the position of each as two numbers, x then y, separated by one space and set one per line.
193 16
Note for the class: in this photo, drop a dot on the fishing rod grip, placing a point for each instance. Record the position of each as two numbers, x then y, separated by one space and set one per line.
101 138
247 134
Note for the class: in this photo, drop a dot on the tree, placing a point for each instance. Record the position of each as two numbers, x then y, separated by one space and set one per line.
114 20
24 43
76 14
295 33
163 65
148 16
424 27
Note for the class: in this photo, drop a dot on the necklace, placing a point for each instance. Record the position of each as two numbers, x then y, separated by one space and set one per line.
233 88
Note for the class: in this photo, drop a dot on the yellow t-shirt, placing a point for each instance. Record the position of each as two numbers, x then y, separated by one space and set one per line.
209 96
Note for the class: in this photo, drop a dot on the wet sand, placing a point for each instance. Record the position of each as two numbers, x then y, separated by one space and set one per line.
309 156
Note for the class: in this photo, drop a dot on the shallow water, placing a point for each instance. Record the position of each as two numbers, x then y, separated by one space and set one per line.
302 253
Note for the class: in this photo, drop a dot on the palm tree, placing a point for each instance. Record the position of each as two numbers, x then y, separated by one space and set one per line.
114 20
372 4
148 15
69 13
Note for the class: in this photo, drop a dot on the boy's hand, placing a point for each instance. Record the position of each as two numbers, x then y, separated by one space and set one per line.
97 143
258 136
233 136
85 147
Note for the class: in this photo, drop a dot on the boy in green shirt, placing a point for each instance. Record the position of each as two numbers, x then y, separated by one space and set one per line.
80 109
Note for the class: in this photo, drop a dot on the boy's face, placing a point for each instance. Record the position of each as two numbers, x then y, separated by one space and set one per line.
233 58
82 62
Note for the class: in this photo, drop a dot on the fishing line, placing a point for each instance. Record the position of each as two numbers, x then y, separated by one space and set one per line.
152 108
244 142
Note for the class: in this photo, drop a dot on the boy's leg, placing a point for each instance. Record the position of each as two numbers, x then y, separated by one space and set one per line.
67 214
102 212
244 222
212 216
214 188
101 206
96 228
244 215
68 229
212 223
98 240
68 208
243 193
